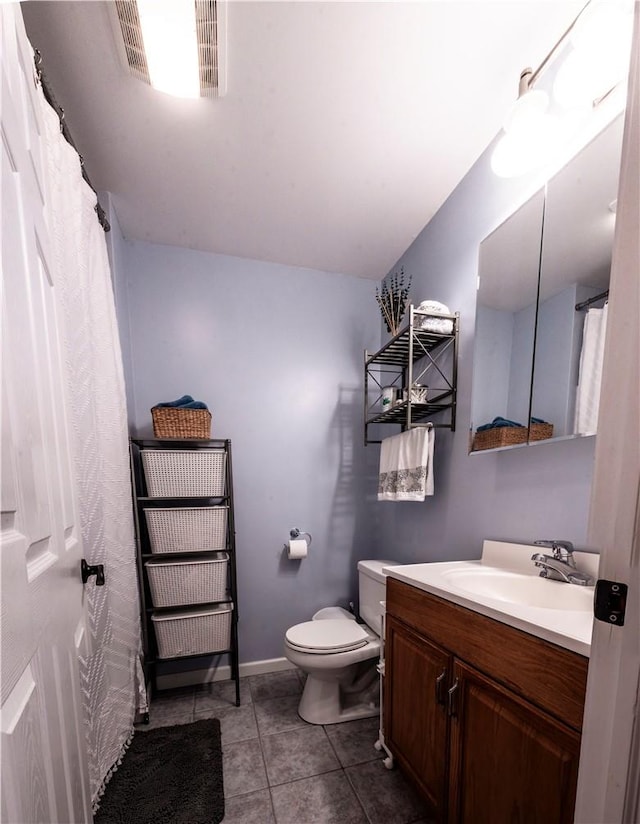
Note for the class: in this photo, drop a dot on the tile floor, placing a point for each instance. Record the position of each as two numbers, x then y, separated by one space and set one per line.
280 770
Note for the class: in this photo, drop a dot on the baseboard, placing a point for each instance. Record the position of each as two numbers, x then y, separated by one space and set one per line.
222 673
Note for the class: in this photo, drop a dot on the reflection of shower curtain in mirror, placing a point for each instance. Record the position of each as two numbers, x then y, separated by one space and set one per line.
588 394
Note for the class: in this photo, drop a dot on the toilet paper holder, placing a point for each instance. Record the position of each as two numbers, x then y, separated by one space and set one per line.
297 533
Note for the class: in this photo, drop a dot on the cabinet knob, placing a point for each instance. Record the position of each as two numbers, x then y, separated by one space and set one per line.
453 702
440 688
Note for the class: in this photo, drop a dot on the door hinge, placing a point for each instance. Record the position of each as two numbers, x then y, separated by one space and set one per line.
610 602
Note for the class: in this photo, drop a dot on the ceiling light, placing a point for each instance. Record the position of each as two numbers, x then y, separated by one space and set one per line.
177 46
170 45
601 38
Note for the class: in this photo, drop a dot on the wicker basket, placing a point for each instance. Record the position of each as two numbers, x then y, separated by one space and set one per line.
184 473
510 436
175 583
192 529
499 436
193 632
541 431
173 422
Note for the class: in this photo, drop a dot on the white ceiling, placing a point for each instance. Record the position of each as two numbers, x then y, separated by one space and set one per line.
344 128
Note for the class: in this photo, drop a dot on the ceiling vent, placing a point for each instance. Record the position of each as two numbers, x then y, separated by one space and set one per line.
210 18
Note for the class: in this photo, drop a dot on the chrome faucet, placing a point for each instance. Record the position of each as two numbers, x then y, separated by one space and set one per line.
560 565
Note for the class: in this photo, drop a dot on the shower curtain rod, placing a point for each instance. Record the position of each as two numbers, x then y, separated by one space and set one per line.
594 299
51 100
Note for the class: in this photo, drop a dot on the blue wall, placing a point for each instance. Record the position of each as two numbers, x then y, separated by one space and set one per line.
538 491
277 354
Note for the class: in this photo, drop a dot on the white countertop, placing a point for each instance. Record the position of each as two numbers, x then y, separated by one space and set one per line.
563 624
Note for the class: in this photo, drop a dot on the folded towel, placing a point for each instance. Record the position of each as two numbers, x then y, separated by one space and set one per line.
184 399
497 423
185 402
406 465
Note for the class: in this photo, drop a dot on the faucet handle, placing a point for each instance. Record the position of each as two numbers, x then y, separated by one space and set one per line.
562 550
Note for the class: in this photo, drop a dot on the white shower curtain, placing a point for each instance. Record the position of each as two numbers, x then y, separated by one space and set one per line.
96 399
588 394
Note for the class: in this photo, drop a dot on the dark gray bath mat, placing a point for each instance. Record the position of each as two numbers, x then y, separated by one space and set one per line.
169 774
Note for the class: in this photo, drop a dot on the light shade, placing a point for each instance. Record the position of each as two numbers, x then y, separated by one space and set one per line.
176 46
171 45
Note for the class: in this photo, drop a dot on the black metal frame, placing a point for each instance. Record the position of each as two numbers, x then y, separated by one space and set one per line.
414 348
142 500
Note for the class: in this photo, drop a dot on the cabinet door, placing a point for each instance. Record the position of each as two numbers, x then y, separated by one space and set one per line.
415 718
510 761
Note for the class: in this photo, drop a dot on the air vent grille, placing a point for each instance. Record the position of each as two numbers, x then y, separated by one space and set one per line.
132 36
210 30
207 32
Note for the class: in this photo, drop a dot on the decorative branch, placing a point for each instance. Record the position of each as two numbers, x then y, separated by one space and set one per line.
392 300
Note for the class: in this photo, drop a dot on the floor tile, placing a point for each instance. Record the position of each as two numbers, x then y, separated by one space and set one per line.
243 768
274 685
386 795
298 754
221 694
236 723
278 715
254 808
323 799
353 740
166 710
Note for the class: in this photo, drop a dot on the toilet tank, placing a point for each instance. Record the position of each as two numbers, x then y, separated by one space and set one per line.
372 590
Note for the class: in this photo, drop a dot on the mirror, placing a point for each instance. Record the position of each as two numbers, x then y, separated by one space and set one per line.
575 266
536 355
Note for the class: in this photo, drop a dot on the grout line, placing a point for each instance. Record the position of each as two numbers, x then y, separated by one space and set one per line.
355 792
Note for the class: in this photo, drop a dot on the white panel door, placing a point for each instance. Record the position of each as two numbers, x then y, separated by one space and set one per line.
44 774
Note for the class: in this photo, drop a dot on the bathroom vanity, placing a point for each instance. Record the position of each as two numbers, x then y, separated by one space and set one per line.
485 717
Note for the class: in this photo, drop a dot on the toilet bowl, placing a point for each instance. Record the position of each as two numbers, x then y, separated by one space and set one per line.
340 655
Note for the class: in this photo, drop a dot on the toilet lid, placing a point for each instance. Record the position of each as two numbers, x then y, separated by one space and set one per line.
330 635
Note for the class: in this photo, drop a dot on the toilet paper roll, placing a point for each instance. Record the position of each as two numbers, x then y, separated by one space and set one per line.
297 548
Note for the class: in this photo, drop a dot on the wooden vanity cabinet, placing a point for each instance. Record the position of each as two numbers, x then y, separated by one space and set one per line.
484 718
417 673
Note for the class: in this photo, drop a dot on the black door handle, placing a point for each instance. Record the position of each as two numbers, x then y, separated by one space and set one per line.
87 571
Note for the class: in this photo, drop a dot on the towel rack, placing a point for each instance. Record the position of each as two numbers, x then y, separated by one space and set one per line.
594 299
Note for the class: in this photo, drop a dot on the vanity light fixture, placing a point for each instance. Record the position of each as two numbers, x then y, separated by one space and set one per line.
176 46
598 43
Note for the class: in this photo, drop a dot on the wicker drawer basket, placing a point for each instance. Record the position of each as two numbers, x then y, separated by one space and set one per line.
173 422
184 473
174 583
193 632
510 435
188 529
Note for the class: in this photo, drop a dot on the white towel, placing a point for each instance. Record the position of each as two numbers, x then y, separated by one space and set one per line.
406 465
591 357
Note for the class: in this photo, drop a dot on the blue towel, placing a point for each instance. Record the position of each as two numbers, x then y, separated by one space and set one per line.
185 402
498 423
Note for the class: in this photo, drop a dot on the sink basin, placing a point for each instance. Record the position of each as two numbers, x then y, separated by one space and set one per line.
515 588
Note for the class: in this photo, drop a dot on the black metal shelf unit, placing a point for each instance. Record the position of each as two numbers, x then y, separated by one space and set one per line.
417 353
195 549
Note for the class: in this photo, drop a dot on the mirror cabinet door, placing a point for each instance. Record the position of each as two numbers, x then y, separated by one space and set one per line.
577 242
505 327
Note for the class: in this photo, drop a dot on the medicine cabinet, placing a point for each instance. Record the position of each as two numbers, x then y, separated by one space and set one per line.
540 272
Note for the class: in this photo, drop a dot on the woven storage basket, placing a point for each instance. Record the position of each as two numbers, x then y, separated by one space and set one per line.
172 422
184 473
193 632
499 436
510 435
191 529
541 431
175 583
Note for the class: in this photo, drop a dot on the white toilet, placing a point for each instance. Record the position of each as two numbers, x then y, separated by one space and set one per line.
340 656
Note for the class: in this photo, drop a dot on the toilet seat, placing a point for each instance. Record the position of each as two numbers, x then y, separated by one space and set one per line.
329 635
